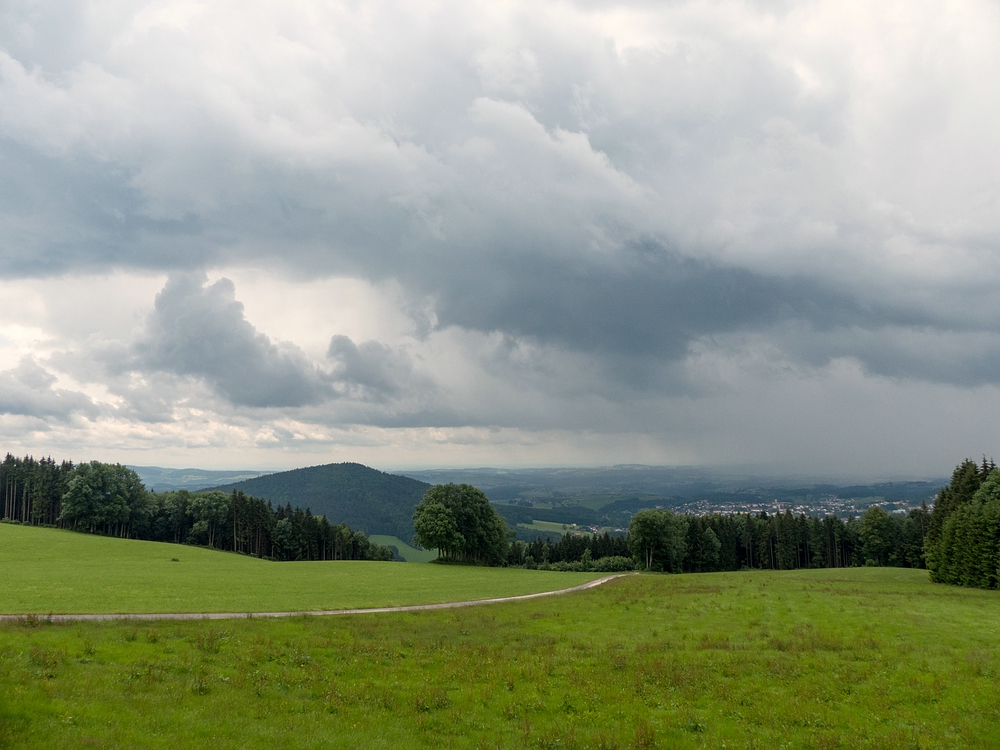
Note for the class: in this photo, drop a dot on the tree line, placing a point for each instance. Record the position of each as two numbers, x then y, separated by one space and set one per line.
110 499
959 540
569 549
33 490
663 540
963 537
459 522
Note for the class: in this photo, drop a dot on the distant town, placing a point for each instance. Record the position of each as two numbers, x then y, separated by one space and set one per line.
820 505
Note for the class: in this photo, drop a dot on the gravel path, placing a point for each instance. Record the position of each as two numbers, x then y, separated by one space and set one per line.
321 613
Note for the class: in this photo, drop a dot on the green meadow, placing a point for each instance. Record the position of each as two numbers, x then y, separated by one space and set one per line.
407 552
855 658
554 528
52 571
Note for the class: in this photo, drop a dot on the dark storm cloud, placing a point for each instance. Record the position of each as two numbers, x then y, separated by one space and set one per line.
73 213
936 363
27 390
966 357
652 303
101 222
201 331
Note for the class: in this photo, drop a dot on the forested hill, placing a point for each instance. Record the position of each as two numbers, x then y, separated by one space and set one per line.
362 497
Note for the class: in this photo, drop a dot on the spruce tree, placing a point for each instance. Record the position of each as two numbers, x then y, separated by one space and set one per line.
965 482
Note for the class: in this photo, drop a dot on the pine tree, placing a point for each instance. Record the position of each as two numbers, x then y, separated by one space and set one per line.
965 482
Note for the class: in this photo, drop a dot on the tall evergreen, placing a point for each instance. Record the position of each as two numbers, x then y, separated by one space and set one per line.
965 482
967 549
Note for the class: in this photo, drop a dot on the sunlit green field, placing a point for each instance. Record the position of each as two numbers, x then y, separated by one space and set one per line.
408 553
50 571
554 528
863 658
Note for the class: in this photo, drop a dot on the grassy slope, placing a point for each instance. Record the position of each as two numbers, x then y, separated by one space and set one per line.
408 553
46 570
870 658
551 527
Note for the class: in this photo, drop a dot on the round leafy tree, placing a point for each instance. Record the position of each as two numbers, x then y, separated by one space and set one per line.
458 521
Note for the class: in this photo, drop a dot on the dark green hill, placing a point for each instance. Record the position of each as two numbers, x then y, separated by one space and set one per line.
362 497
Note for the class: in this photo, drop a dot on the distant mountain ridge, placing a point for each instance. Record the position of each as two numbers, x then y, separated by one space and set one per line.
362 497
160 479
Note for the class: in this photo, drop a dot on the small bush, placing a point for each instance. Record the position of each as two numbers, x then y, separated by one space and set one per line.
564 567
615 564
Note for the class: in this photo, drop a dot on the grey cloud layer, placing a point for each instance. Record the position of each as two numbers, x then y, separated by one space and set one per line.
620 181
27 390
376 369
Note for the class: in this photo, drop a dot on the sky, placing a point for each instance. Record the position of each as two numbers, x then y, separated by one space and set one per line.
268 235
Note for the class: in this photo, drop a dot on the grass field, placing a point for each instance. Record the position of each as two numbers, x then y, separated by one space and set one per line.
408 553
52 571
861 658
594 502
551 527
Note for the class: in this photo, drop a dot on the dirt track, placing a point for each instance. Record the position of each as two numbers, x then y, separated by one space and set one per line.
318 613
